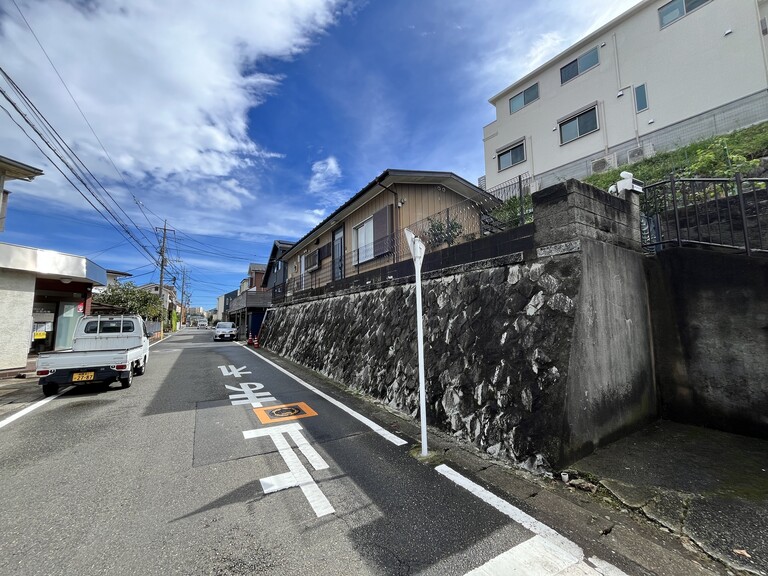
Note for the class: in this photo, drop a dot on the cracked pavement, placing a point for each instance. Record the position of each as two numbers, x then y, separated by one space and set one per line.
708 486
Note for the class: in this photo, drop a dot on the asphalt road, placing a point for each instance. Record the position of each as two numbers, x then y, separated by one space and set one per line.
217 461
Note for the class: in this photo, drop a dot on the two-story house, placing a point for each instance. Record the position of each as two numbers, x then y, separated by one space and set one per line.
661 75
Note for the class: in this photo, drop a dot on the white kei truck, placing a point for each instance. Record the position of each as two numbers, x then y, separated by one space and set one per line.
104 349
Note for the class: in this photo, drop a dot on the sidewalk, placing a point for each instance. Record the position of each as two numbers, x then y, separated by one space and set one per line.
709 486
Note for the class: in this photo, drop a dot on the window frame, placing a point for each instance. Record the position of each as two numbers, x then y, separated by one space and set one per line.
523 94
575 116
508 149
685 10
363 253
645 98
577 61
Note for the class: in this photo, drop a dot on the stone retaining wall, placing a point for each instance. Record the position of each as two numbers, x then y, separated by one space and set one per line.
499 337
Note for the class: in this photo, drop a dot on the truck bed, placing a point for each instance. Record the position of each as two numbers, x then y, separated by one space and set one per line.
85 359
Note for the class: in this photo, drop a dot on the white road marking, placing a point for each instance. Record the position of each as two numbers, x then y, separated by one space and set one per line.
232 371
34 406
536 556
249 394
357 416
298 475
552 539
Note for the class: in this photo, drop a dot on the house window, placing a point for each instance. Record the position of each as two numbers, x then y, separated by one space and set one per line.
579 125
673 11
312 261
364 241
512 156
585 62
641 98
524 98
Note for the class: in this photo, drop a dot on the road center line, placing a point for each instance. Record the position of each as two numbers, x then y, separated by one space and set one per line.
34 406
357 416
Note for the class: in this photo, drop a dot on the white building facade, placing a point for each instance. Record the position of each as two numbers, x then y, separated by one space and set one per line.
661 75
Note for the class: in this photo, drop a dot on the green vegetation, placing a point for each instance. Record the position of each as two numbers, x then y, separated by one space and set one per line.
509 211
132 299
718 157
440 232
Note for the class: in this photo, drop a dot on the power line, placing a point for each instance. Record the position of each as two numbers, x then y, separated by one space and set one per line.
77 105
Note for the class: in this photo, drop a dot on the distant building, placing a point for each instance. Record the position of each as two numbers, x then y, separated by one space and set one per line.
276 272
661 75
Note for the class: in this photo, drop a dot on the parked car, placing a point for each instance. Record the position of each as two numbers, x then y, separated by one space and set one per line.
104 349
225 331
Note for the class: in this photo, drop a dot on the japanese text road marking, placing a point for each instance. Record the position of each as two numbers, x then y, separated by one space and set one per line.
249 395
297 475
232 371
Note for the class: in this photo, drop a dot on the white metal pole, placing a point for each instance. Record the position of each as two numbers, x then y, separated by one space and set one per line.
417 251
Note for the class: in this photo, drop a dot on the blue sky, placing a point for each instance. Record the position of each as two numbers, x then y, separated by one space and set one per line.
242 122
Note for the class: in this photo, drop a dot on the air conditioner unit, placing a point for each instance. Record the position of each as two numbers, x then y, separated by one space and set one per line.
604 163
639 153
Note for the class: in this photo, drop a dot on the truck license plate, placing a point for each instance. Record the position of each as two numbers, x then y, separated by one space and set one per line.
82 376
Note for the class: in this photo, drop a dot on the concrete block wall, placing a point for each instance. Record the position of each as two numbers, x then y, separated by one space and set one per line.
710 321
17 296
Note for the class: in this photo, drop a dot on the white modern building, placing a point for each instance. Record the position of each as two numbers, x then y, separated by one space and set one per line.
661 75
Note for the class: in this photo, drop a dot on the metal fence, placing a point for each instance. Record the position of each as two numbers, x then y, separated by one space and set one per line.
719 212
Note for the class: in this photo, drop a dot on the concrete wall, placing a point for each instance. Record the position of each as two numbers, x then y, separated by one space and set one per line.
17 295
610 386
710 320
532 357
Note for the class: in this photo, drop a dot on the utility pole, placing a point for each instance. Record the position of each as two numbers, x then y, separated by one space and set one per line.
162 278
183 303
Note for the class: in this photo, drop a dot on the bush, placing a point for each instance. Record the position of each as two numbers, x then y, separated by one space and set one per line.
718 157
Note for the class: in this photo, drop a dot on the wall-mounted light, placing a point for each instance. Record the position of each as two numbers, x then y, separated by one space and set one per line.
620 94
602 45
65 280
651 121
728 32
554 128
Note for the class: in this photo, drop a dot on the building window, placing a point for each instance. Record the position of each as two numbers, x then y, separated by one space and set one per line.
641 98
364 241
524 98
578 126
585 62
512 156
673 11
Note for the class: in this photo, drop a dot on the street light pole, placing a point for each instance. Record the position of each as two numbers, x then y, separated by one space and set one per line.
417 251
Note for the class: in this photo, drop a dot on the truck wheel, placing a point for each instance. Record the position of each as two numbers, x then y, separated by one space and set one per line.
141 368
50 389
126 381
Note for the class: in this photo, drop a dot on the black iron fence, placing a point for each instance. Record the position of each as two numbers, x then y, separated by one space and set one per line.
719 212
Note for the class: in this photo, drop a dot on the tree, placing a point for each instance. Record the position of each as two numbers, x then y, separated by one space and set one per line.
131 298
440 232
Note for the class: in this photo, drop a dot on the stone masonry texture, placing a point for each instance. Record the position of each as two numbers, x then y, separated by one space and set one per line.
497 344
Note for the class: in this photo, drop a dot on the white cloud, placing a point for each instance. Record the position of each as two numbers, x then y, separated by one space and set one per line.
325 173
167 87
